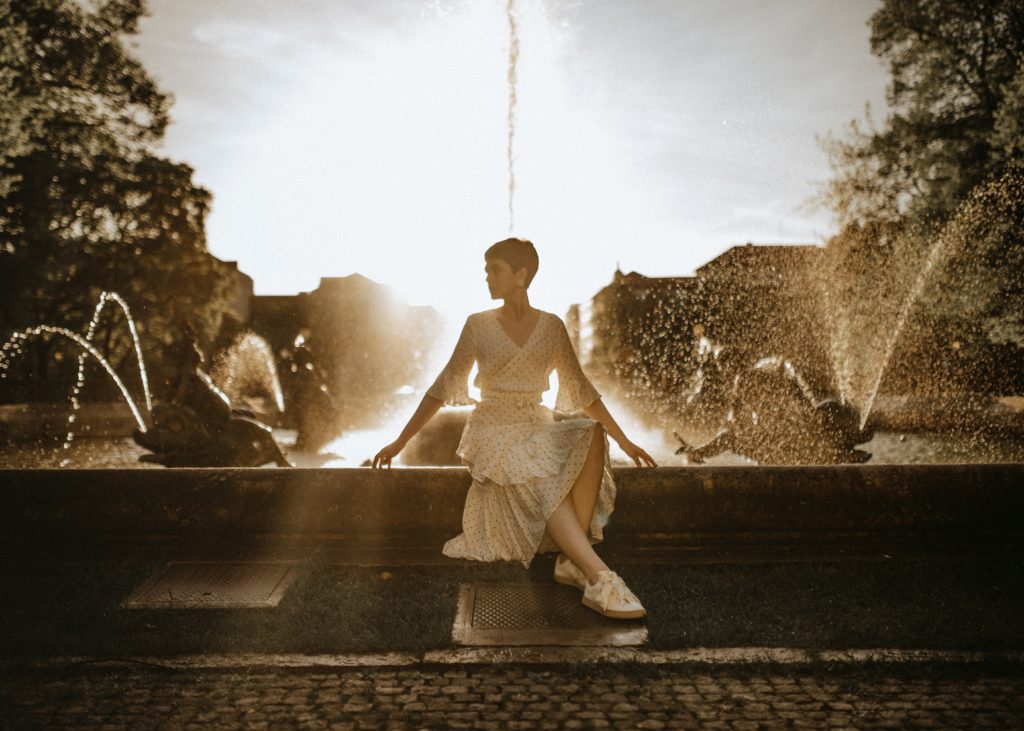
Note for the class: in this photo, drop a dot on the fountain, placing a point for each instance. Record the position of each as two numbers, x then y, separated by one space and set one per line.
12 347
853 330
104 298
866 329
862 322
196 430
314 410
199 427
245 371
773 416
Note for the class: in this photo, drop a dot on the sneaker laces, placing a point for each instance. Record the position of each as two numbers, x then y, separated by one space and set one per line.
614 586
568 566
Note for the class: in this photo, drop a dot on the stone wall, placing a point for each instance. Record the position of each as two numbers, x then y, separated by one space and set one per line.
423 506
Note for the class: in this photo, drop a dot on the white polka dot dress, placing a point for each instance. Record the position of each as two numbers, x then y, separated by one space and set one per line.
523 462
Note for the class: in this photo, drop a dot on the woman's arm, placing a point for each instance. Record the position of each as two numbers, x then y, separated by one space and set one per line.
424 413
449 387
599 413
575 392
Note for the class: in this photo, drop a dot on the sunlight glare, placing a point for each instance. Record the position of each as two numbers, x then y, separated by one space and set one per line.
393 159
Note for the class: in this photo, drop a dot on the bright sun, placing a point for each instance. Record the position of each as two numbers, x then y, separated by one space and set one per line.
391 154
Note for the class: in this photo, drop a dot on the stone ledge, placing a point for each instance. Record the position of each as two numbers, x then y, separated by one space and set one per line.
421 506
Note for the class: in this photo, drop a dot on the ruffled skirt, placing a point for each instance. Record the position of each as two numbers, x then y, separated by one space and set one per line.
523 464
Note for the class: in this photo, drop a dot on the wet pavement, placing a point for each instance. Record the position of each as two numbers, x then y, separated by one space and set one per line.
621 696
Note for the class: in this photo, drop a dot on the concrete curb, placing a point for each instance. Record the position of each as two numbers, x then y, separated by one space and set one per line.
69 510
543 655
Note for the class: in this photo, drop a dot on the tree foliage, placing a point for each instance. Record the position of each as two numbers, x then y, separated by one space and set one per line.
956 95
939 182
85 202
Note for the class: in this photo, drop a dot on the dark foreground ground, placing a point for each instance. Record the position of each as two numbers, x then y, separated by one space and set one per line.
950 602
523 697
73 659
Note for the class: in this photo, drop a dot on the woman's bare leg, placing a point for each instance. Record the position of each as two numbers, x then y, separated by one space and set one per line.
564 529
569 523
588 483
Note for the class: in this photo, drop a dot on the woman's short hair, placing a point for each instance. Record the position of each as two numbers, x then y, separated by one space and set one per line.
518 254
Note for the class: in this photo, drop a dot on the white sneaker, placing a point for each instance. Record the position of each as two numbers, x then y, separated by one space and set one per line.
611 597
568 573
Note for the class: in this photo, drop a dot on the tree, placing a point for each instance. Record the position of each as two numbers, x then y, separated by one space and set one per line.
931 242
85 203
956 95
1008 137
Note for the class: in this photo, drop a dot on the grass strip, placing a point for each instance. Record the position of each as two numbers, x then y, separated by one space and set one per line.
954 604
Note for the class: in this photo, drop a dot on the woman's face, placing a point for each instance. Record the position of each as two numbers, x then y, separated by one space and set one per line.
501 280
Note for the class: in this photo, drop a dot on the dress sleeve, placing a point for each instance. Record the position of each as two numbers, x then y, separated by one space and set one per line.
451 386
575 391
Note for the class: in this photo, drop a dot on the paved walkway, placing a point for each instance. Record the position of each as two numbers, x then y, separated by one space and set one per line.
520 697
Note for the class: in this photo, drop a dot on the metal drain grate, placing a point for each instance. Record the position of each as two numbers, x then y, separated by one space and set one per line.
536 614
214 585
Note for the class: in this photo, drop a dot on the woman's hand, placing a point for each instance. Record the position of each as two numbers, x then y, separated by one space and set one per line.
599 413
384 456
635 453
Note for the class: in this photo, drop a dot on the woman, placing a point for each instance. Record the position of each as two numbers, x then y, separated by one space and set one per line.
539 485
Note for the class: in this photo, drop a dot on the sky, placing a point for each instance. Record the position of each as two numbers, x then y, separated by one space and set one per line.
370 136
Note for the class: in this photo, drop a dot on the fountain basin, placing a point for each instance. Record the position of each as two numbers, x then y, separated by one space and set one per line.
50 421
951 412
65 511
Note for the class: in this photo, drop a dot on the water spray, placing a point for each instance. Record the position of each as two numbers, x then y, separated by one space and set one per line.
105 297
513 62
248 361
12 347
935 256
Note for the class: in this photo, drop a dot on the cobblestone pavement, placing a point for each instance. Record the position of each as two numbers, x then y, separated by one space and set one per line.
521 697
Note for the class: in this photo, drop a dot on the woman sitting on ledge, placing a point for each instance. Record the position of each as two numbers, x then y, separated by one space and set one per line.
539 485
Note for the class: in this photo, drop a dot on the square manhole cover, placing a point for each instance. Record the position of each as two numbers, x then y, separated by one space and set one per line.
214 585
536 614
